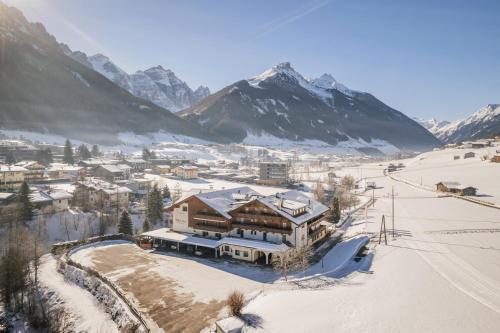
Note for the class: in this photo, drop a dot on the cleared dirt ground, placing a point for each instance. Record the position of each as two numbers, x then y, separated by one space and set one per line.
178 294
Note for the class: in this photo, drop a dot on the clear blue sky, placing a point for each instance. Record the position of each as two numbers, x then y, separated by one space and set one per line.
426 58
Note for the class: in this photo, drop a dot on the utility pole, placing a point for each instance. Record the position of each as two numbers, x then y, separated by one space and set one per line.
373 197
382 229
393 233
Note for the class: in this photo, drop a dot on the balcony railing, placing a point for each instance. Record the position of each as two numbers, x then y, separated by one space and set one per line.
260 227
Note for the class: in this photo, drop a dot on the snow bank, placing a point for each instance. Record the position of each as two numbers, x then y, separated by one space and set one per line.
112 303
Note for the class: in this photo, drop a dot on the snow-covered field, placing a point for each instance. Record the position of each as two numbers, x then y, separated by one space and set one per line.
433 167
439 274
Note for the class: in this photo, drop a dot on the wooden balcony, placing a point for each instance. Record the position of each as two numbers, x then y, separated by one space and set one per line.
260 217
216 227
317 231
209 217
260 227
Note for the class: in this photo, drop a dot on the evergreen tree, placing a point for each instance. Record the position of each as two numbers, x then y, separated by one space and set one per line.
84 152
166 192
25 208
146 226
95 151
155 205
335 210
10 158
44 156
68 153
125 224
146 154
152 155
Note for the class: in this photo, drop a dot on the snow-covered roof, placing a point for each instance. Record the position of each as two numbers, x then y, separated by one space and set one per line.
38 196
165 233
6 195
64 167
291 201
225 200
231 324
11 168
59 195
254 244
168 234
187 167
115 168
450 184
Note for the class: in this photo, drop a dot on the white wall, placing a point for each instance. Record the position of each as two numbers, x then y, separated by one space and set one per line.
180 219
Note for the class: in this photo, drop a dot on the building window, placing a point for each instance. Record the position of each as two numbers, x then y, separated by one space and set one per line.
205 234
245 254
184 208
226 248
237 252
218 235
283 238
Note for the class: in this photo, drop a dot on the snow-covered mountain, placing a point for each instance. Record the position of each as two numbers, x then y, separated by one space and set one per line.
44 90
482 124
156 84
281 103
432 125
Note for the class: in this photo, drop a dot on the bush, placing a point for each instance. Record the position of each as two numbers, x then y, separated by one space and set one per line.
235 302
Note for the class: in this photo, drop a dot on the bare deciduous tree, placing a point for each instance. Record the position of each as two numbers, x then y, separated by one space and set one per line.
235 302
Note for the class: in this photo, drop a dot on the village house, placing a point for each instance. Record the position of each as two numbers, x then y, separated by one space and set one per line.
137 164
11 177
242 224
112 172
273 173
161 169
455 188
6 198
96 161
35 171
56 200
98 194
186 171
495 159
469 155
65 171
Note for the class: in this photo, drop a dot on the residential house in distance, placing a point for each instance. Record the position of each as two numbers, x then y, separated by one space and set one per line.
56 200
273 173
35 171
469 155
161 169
112 172
186 171
94 193
455 188
137 164
495 159
65 171
94 162
6 198
242 224
11 177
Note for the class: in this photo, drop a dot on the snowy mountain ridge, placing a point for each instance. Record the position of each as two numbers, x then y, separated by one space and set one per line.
156 84
482 124
284 74
432 125
281 104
